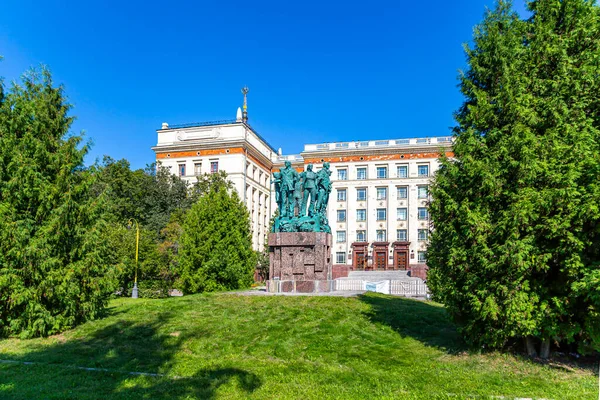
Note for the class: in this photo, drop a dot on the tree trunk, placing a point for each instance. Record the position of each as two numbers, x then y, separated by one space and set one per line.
545 349
530 346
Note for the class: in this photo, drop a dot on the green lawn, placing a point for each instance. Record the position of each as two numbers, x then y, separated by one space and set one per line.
230 346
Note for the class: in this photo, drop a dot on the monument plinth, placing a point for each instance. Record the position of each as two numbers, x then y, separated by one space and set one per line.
300 244
300 262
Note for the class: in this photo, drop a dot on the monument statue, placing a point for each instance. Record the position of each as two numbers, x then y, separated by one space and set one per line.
310 190
323 187
289 177
302 199
300 242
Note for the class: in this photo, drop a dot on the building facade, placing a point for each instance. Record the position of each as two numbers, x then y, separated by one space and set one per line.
378 206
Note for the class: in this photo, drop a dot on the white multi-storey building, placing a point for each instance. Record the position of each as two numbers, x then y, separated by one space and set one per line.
377 209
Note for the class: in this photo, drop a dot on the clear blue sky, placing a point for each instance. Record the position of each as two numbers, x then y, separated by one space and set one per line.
317 70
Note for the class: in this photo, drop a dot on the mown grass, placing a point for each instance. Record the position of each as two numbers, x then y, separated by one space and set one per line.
233 346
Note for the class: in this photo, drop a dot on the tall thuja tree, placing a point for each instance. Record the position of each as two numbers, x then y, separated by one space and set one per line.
515 250
216 245
52 258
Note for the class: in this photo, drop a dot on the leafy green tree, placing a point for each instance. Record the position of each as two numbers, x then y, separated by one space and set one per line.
514 252
53 270
216 244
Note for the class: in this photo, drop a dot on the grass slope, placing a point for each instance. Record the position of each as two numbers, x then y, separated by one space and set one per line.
230 346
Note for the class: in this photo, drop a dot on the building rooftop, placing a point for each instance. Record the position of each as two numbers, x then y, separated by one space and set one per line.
371 144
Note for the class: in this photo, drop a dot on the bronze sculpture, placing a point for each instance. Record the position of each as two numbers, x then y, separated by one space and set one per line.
294 192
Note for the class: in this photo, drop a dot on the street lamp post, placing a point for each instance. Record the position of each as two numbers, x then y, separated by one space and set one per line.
134 292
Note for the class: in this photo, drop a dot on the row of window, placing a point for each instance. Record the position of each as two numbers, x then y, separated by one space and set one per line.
402 193
214 168
340 257
401 214
382 172
381 235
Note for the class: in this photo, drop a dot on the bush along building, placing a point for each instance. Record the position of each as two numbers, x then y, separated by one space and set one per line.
378 206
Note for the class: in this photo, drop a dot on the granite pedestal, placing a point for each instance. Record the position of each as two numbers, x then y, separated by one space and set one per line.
300 262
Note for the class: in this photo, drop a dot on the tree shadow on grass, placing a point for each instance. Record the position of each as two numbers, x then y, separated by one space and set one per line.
426 322
111 353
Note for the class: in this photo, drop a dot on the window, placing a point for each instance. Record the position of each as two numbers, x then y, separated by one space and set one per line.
341 215
423 192
423 234
361 214
381 214
197 168
381 235
361 173
402 171
423 214
402 192
401 235
361 236
381 172
342 174
361 194
423 170
401 214
341 236
421 256
381 193
340 257
341 194
214 167
181 168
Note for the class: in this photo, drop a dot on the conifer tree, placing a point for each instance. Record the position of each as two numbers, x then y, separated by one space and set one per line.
515 247
216 244
52 259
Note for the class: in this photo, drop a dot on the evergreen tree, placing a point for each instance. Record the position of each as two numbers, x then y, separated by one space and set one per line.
53 272
514 252
216 244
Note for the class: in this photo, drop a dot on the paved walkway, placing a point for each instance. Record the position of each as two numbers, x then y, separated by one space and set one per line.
261 291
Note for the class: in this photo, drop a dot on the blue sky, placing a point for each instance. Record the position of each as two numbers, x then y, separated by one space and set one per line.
317 70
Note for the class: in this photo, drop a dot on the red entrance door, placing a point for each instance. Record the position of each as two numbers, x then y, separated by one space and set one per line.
380 259
401 257
359 260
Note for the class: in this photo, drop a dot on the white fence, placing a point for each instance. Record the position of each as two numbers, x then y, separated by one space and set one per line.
407 288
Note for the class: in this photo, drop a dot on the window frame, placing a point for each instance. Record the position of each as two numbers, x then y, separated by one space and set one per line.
337 215
358 178
345 170
405 235
181 169
398 188
340 191
398 167
426 214
214 163
398 213
384 235
419 188
384 193
426 235
385 174
384 214
359 190
419 166
337 236
364 231
364 210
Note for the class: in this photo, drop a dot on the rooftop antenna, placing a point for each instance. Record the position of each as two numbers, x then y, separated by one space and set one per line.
245 91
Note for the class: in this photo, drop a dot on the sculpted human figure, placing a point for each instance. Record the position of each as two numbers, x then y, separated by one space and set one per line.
324 187
277 184
289 177
310 189
298 195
